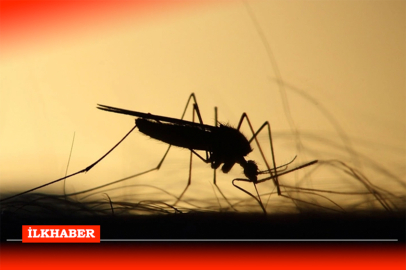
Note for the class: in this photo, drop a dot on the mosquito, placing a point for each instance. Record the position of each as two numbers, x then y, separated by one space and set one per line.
223 145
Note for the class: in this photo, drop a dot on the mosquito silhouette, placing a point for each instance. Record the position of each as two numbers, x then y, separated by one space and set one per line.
223 145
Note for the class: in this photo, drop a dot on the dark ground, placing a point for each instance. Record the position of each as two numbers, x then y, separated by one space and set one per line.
369 225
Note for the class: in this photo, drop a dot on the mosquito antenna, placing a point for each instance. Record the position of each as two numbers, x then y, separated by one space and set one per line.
268 178
286 172
276 169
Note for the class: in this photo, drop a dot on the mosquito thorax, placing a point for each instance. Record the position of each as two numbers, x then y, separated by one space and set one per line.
251 170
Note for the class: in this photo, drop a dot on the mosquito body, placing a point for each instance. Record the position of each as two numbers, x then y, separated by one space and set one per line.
223 144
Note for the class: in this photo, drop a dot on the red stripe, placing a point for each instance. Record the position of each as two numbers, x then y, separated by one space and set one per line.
186 256
25 21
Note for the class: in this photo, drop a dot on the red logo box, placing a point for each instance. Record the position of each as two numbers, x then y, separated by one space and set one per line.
61 234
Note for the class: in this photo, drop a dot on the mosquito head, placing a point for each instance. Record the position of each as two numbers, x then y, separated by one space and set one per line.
251 170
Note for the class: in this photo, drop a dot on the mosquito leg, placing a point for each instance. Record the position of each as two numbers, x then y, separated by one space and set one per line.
197 112
191 99
192 96
215 169
273 172
254 137
88 168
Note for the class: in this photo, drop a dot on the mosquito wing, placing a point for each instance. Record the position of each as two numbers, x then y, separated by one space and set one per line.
154 117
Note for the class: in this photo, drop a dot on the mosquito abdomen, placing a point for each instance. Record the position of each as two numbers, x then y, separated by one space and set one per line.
177 135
